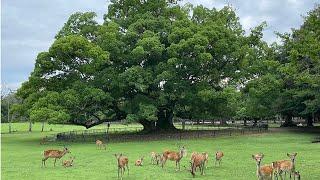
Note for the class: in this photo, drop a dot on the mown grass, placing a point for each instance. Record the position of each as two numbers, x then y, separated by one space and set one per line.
21 156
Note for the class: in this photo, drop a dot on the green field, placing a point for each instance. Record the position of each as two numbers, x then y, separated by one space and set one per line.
21 156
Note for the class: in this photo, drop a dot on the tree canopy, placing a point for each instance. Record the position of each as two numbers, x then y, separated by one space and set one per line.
155 59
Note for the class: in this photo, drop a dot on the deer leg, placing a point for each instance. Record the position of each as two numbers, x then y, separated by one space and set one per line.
163 162
44 161
118 172
54 164
280 174
203 169
128 169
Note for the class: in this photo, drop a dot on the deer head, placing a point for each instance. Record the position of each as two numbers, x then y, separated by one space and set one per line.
292 156
258 158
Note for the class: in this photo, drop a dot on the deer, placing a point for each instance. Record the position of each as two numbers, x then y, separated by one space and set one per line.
122 164
56 154
263 172
198 160
219 155
173 156
100 144
193 155
43 140
155 158
68 163
285 166
139 162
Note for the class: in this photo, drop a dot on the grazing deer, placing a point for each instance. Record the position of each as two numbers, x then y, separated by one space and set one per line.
56 154
263 172
173 156
122 164
100 144
198 160
139 162
68 163
285 166
219 155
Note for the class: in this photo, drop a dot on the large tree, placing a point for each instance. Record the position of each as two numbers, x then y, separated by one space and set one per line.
147 60
300 70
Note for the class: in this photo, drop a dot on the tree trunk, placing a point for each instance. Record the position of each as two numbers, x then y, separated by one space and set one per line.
245 122
198 122
42 126
165 120
288 121
183 124
30 126
148 126
309 121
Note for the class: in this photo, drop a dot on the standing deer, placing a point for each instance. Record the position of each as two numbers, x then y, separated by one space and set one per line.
139 162
219 155
173 156
155 158
198 160
100 144
68 163
122 164
56 154
263 172
193 155
285 166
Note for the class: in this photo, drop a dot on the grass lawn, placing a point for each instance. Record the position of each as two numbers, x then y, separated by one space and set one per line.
21 156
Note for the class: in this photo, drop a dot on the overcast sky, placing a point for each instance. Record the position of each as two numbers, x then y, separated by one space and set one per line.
29 26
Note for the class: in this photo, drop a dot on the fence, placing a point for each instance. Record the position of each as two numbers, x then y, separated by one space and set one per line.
132 133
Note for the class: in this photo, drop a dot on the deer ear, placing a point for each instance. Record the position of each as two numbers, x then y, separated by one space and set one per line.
288 154
295 154
253 157
262 155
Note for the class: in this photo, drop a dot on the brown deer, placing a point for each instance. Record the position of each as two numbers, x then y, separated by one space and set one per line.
285 166
173 156
219 155
122 164
263 172
100 144
206 157
198 160
139 162
68 163
56 154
